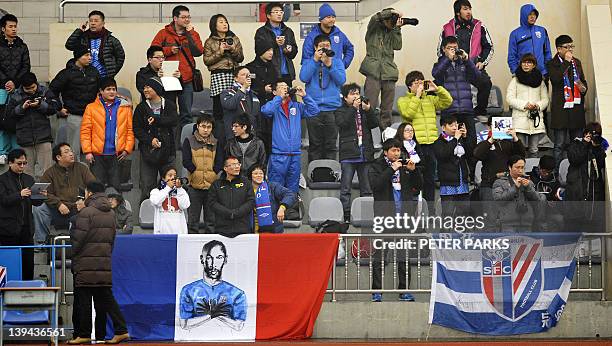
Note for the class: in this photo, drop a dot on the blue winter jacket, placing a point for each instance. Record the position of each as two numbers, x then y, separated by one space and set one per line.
323 83
528 39
340 44
287 130
280 195
457 80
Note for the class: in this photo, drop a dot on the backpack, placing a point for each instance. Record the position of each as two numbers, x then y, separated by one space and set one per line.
323 175
331 226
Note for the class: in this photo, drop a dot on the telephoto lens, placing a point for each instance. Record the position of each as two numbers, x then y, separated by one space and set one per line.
410 21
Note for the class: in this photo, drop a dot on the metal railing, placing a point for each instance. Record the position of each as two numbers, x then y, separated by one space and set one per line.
347 274
63 3
63 276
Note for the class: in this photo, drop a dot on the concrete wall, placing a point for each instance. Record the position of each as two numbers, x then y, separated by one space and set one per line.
419 47
398 320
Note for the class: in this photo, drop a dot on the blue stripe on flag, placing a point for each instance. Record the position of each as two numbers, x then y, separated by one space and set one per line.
144 284
459 281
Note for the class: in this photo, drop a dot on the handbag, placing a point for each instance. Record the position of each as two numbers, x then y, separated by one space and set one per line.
197 81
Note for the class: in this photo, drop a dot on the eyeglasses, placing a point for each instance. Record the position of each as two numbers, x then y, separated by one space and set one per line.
205 126
159 57
237 164
568 46
185 17
408 130
22 163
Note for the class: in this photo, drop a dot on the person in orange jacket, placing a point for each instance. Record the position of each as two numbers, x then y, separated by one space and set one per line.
106 133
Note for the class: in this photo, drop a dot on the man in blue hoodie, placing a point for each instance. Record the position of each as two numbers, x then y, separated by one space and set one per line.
323 75
340 44
529 38
286 117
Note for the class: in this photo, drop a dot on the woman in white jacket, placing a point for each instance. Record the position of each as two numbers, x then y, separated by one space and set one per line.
170 201
528 97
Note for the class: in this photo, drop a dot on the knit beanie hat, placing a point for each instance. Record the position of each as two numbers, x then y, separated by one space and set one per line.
326 10
262 46
80 51
563 39
156 84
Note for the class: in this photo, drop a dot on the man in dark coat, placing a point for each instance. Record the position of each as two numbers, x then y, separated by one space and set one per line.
155 59
566 109
16 222
355 120
395 184
107 53
14 54
93 236
280 36
245 146
77 85
232 200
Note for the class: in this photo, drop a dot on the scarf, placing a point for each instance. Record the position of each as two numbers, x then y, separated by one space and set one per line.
359 129
531 79
411 149
459 150
210 140
571 92
102 34
263 208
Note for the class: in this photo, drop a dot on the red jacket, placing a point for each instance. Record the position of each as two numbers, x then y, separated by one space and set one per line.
191 43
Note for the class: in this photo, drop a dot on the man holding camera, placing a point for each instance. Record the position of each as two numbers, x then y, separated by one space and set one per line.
395 184
32 108
569 86
323 75
286 114
383 36
475 40
456 71
239 100
282 37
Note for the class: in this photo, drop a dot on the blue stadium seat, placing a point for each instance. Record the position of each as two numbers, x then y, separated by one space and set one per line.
16 317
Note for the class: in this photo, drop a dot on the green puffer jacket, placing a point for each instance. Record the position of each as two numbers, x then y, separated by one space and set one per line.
421 112
380 44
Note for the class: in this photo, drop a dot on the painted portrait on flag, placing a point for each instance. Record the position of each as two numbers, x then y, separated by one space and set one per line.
216 291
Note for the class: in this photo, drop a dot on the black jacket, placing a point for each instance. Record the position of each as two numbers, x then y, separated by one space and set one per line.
78 87
496 161
163 129
265 74
14 60
347 130
15 211
113 55
144 74
560 117
93 236
585 180
265 33
232 203
449 163
235 103
549 187
255 152
32 124
380 174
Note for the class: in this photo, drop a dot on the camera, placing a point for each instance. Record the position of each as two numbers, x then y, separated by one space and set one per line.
34 98
228 40
426 85
534 114
364 99
183 180
405 21
459 52
596 138
252 75
292 92
330 53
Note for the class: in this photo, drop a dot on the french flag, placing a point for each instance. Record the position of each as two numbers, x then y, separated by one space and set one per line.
212 288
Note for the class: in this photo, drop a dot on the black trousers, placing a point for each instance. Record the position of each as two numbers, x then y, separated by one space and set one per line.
401 262
27 255
148 176
219 127
198 199
483 84
106 170
429 172
104 303
322 137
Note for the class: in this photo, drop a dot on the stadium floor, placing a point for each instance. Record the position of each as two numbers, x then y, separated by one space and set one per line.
340 342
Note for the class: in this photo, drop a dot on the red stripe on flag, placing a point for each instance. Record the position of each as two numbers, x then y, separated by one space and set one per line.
526 264
487 283
293 272
518 256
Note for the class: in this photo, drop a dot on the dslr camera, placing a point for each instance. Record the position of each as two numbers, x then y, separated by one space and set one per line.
596 138
184 181
228 40
330 53
292 92
394 17
364 99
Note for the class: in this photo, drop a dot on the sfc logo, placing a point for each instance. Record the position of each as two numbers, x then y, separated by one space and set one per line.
512 279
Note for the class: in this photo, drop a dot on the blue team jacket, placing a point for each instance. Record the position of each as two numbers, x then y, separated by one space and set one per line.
340 44
528 39
323 83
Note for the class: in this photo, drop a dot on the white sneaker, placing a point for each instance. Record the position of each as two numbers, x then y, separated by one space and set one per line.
3 159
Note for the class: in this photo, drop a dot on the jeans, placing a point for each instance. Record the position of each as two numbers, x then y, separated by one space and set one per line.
185 101
38 155
531 142
104 303
322 136
483 84
198 199
386 88
562 137
71 128
429 173
8 142
346 182
148 176
106 170
44 216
